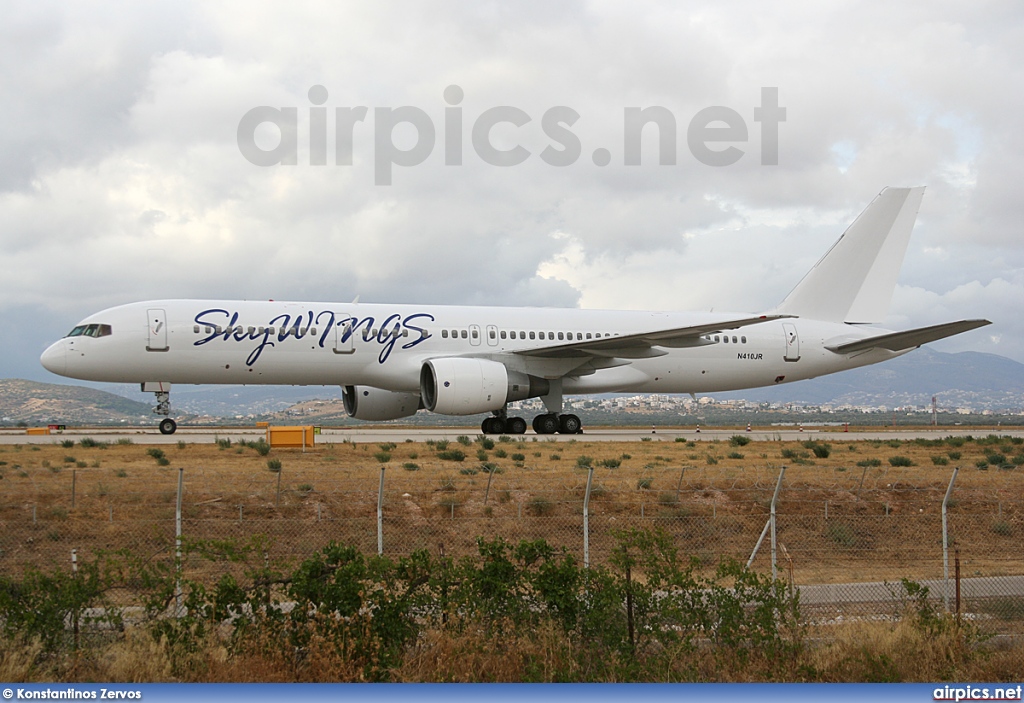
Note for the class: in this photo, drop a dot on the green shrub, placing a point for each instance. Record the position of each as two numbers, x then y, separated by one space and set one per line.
940 460
610 463
463 440
820 449
410 466
739 440
274 465
868 463
900 461
541 506
452 455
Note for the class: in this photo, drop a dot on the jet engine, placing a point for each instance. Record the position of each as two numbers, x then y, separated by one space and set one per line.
461 386
369 403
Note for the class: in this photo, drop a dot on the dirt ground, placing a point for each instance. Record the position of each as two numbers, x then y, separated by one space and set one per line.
850 511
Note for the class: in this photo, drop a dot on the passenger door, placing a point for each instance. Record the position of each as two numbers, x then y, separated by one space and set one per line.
157 339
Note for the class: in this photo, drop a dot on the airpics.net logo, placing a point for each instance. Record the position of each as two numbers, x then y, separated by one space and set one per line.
715 135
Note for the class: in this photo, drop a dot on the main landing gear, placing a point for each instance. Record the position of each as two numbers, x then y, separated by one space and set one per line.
548 423
162 391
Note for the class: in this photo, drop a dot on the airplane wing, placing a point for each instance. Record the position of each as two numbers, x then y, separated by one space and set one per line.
898 341
642 344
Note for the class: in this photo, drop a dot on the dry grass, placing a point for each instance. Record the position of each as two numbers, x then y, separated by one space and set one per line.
860 651
883 521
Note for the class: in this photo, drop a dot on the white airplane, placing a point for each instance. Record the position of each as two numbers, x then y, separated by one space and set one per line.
392 360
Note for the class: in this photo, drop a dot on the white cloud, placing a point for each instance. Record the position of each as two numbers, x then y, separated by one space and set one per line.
121 178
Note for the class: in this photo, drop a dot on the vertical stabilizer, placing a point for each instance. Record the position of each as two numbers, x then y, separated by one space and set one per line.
855 279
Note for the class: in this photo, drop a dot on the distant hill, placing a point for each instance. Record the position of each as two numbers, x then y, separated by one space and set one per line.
43 403
982 381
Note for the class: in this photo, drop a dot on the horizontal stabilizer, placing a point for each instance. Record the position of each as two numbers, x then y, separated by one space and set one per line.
899 341
635 346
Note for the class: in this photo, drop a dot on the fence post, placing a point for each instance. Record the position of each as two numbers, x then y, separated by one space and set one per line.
177 546
945 542
775 499
487 493
586 518
74 482
770 524
74 614
380 515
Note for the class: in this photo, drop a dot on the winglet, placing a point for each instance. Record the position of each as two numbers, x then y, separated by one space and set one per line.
855 279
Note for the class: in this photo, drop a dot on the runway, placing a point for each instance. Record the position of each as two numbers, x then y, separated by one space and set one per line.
378 434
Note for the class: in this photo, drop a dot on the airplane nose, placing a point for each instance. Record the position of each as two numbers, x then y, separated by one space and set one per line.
55 358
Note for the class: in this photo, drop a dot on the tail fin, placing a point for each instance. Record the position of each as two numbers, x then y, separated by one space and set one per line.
855 279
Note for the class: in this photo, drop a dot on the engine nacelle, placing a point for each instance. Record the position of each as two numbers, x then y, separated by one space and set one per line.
461 386
369 403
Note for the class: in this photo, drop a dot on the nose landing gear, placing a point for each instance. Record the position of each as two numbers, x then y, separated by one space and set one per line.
162 391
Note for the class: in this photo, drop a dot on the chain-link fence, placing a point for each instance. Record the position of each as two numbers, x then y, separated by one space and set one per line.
844 544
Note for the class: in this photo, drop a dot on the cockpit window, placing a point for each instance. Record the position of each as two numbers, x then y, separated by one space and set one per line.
91 331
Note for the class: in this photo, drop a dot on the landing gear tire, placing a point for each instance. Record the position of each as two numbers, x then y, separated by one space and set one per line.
516 425
569 424
168 426
545 424
492 425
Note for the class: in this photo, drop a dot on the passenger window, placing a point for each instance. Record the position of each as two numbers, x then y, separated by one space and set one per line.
252 330
725 339
716 337
476 334
209 330
733 340
464 335
490 333
551 335
532 335
743 339
195 329
503 334
588 335
312 330
560 336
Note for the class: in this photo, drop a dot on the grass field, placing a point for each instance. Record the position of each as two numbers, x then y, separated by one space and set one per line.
848 511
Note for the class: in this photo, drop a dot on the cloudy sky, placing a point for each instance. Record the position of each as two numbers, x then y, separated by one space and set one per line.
122 176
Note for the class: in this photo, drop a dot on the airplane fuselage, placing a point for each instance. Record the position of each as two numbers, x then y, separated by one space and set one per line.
385 346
